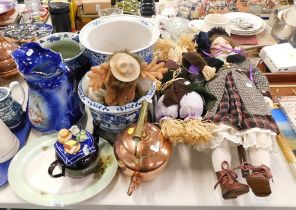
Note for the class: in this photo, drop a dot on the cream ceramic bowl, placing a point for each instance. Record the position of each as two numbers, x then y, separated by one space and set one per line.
106 35
215 20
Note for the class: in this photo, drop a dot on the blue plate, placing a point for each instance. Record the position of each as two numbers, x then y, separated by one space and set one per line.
22 133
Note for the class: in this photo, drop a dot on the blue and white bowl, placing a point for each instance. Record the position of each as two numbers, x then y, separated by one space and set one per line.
106 35
78 63
114 118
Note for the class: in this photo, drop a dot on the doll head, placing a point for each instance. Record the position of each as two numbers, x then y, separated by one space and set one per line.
220 45
214 42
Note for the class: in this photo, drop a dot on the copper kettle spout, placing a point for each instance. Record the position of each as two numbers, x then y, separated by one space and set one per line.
135 183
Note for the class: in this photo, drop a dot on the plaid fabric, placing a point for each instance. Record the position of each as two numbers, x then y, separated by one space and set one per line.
251 94
231 111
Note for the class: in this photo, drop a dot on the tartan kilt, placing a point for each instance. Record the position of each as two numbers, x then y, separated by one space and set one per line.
231 111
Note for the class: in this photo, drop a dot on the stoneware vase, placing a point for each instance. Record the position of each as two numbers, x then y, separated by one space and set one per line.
53 103
10 110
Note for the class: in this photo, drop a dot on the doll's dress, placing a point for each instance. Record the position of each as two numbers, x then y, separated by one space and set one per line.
239 126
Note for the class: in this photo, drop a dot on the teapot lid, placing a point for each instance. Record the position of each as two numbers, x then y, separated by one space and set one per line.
148 154
74 144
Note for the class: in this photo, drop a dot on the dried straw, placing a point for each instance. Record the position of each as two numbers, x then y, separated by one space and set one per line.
191 132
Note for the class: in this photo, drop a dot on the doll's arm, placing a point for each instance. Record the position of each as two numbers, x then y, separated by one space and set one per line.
261 82
262 85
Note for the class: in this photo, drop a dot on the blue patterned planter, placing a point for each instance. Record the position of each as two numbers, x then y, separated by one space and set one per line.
114 118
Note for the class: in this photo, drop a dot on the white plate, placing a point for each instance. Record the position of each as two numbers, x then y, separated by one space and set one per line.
29 179
251 33
258 24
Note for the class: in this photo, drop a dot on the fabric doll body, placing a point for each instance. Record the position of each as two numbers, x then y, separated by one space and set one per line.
243 117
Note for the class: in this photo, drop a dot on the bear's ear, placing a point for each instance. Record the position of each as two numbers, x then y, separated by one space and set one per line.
236 58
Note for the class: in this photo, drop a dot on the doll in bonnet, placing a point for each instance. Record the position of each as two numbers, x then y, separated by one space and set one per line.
242 114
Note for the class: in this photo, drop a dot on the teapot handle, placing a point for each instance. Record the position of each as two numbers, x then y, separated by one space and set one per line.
141 120
52 167
140 125
13 84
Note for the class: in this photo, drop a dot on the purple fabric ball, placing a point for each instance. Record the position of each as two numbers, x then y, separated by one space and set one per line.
191 105
163 111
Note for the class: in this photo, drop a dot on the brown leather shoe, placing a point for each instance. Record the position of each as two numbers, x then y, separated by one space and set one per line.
230 187
258 180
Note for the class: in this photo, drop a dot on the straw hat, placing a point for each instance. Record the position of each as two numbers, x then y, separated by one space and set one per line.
124 67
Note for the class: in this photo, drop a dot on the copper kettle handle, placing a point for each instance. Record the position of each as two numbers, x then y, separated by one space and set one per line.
139 129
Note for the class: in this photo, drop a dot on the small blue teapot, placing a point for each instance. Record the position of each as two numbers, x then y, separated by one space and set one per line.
53 102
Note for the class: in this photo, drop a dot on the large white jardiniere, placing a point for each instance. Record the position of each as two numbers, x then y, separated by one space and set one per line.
104 36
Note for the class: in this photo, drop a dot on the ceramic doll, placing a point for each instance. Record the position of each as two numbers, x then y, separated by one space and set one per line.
242 114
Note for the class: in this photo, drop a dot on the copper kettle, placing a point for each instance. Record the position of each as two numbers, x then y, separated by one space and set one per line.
8 67
142 151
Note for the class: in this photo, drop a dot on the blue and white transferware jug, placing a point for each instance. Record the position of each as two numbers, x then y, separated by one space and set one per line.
53 102
10 110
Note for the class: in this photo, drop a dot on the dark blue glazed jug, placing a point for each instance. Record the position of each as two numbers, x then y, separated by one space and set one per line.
53 102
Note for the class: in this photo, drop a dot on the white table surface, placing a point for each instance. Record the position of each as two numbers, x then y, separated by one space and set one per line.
187 182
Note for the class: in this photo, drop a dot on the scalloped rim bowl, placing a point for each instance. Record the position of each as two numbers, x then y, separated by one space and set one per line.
132 106
114 118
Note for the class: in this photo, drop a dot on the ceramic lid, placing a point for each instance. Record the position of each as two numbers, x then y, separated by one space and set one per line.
6 6
6 49
86 147
143 156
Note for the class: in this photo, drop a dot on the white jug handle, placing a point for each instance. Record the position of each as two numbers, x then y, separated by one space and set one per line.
13 84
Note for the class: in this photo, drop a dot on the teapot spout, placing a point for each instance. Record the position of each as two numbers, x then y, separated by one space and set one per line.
135 183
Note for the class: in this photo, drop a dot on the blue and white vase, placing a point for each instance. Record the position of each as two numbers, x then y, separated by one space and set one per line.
53 103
